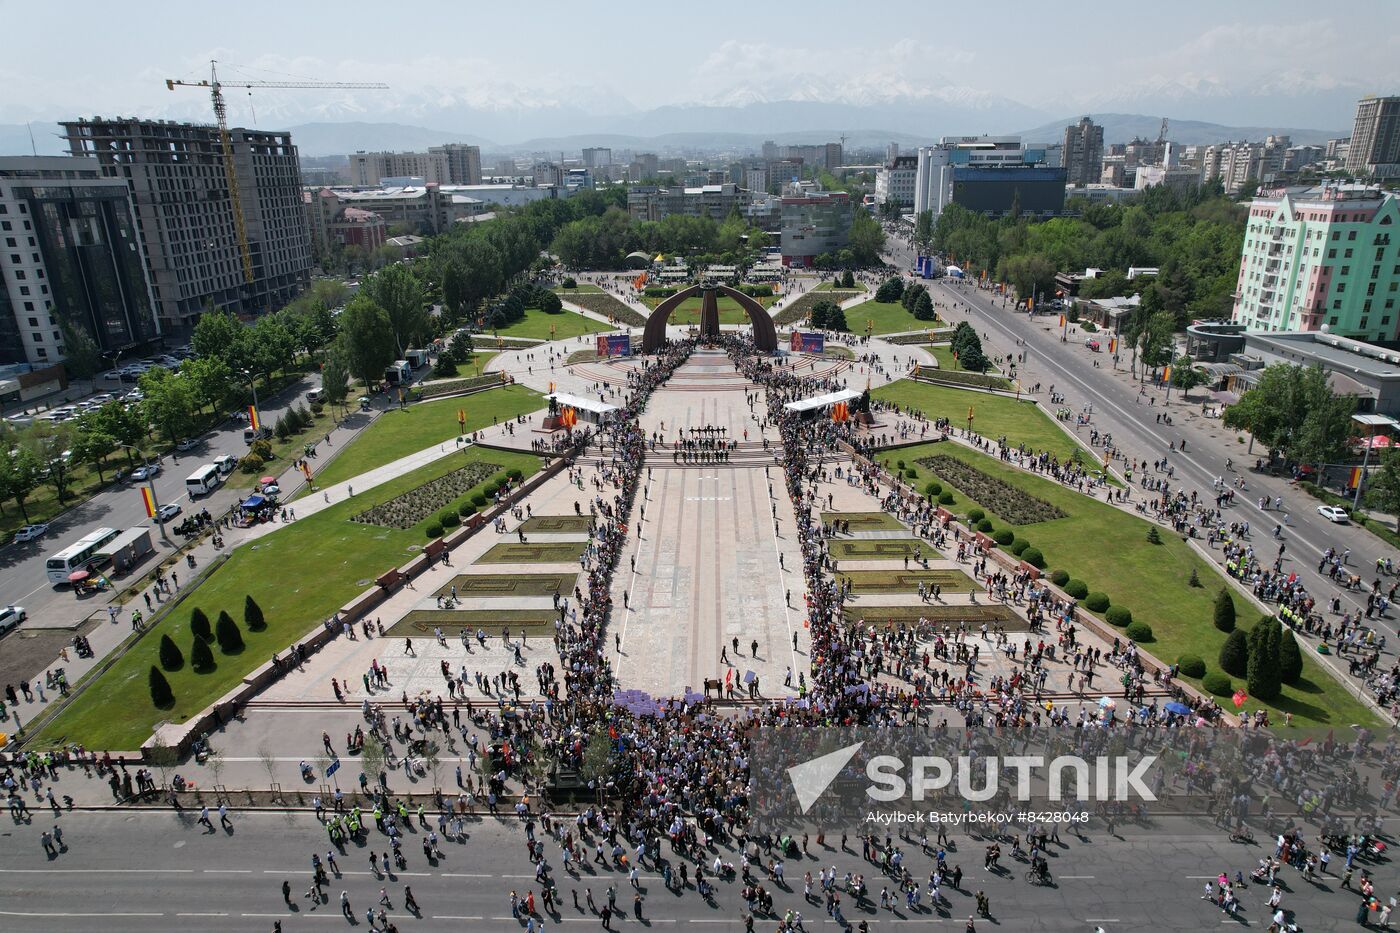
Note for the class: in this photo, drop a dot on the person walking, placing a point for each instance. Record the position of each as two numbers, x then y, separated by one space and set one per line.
345 906
410 903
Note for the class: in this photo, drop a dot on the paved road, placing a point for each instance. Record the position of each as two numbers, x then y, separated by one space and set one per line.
22 577
1117 408
157 870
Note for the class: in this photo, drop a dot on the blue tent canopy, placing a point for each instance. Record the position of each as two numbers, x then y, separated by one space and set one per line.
253 502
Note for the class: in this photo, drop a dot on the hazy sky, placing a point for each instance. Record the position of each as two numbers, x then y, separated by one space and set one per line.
1224 56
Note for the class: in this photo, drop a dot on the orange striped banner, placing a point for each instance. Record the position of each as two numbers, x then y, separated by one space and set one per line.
149 501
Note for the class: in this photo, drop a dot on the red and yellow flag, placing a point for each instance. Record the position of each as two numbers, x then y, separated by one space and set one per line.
253 421
306 469
149 501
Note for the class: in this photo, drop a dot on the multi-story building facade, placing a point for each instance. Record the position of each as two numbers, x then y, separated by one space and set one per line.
990 174
1083 153
1316 257
597 157
372 168
894 183
72 254
1375 138
463 163
176 175
649 202
813 225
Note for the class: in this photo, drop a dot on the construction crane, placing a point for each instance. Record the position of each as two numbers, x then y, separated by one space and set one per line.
216 87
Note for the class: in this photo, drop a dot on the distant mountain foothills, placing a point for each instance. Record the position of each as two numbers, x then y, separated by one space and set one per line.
677 128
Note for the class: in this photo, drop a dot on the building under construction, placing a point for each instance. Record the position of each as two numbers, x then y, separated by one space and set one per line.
179 185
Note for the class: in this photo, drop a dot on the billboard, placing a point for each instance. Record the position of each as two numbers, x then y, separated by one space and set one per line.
614 345
807 343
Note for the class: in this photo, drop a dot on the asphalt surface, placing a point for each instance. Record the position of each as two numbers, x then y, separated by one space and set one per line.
23 580
1119 410
157 870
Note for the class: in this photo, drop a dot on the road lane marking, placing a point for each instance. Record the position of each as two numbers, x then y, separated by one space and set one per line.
105 913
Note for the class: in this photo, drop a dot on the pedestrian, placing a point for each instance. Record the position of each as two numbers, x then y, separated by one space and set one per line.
345 906
409 902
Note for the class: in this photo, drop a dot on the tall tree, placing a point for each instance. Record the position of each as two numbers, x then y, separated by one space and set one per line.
170 403
867 237
21 472
1383 485
219 334
82 358
397 290
335 378
366 341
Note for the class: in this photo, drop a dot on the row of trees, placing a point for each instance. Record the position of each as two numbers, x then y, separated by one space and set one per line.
1292 410
1193 237
201 659
967 347
1267 656
828 315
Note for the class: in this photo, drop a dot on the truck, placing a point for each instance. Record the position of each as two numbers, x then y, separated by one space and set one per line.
417 358
398 373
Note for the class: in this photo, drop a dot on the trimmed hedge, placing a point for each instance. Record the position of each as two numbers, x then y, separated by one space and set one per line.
974 516
449 520
515 474
1004 537
1120 616
466 509
945 498
932 490
1218 684
1191 665
1140 632
1019 546
985 526
1097 602
1032 556
434 530
1077 589
1059 577
478 500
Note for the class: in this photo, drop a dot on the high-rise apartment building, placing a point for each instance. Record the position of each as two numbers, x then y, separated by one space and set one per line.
1375 138
649 202
463 162
815 224
1322 256
1083 153
371 168
71 254
184 211
597 157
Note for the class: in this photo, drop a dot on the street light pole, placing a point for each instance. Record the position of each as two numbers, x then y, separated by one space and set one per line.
155 503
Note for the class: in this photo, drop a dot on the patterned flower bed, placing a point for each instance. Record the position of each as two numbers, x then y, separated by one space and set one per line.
802 307
407 510
1015 505
939 334
604 304
958 378
453 386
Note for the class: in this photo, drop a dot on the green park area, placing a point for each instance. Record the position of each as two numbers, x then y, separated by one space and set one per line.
298 575
1109 550
889 317
1022 422
536 324
943 353
729 311
400 432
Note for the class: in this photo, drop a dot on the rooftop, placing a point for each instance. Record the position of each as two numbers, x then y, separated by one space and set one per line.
1333 352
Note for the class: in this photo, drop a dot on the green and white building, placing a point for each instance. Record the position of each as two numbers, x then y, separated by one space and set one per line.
1323 258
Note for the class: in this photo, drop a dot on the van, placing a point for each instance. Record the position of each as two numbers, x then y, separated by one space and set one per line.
225 464
250 435
203 481
315 396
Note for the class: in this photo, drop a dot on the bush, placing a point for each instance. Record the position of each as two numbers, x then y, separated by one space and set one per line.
449 520
251 463
317 408
1195 579
199 625
1089 327
226 631
1234 654
1032 556
434 530
569 283
911 473
161 694
550 303
491 488
170 656
974 516
253 615
1077 589
284 428
1218 684
945 498
985 526
466 510
515 474
1059 577
1097 602
1120 616
899 463
932 490
201 658
1004 537
1290 659
1153 535
444 368
1140 632
1191 665
1019 547
1224 610
478 500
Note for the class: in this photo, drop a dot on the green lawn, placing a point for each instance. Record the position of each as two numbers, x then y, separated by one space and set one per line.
536 325
889 318
1108 549
729 311
299 575
401 432
943 353
993 415
849 292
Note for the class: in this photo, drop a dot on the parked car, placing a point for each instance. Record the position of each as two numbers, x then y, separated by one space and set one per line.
1333 513
11 616
29 533
166 512
143 473
188 443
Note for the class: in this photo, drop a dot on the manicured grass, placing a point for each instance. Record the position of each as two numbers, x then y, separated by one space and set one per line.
536 325
865 521
299 575
849 292
879 549
1107 548
889 318
729 311
512 585
993 416
581 289
557 524
545 552
943 353
401 432
839 353
285 451
939 614
420 622
864 582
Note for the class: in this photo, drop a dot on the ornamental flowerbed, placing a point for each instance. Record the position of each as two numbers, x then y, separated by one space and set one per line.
1015 505
605 305
407 510
453 386
801 309
959 378
940 334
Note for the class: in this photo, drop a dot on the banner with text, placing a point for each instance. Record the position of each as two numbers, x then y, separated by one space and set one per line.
614 345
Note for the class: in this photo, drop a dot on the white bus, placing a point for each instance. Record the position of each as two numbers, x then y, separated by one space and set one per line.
204 480
80 555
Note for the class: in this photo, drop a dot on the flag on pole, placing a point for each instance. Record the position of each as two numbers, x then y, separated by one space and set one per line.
1355 479
149 501
253 421
306 469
